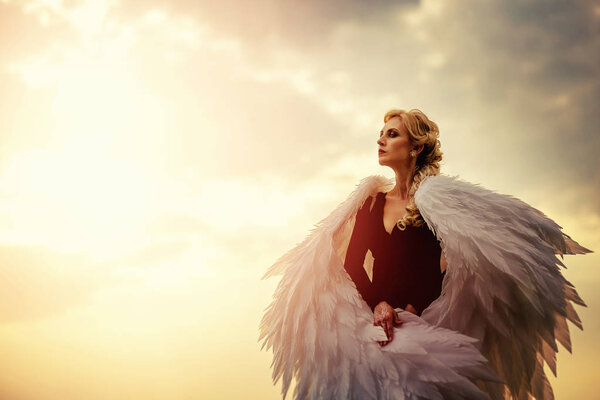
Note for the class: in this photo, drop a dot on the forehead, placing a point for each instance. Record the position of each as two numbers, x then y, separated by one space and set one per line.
394 122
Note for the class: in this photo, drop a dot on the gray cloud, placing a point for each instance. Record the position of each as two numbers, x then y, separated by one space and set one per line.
513 78
301 23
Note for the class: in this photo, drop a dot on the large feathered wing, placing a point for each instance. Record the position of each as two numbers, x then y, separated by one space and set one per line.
503 283
322 332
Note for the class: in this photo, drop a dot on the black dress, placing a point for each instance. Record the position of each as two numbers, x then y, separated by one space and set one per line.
406 267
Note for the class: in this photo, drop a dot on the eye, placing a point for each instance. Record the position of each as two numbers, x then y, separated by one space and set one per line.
392 133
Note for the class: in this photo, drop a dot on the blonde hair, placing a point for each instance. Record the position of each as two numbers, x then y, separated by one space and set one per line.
421 130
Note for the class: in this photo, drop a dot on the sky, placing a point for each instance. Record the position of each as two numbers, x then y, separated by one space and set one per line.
157 157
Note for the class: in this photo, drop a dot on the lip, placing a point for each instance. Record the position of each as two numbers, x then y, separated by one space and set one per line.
381 152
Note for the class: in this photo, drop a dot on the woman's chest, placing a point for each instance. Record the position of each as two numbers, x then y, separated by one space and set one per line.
391 212
410 244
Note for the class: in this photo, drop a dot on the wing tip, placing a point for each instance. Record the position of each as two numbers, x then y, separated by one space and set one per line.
575 248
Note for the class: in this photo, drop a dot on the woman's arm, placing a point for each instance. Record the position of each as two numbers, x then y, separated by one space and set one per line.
384 315
355 256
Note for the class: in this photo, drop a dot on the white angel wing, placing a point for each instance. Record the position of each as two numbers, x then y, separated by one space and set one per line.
503 284
323 336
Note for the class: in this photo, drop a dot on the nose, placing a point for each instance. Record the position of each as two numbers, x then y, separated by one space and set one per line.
379 141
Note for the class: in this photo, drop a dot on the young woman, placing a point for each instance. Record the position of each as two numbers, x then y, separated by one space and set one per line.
408 259
465 299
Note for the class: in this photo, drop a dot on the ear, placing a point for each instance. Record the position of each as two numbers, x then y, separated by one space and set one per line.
419 148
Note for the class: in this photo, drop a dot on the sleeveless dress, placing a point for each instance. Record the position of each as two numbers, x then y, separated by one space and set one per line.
406 267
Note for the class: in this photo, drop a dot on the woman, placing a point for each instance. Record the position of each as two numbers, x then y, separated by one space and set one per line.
502 299
408 258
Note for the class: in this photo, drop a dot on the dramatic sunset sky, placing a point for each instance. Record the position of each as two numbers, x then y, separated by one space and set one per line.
156 157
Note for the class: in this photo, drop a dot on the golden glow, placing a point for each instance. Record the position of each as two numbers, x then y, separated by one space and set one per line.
154 164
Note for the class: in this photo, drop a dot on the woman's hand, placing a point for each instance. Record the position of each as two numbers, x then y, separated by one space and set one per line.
385 316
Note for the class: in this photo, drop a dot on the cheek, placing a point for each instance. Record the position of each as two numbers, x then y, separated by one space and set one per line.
400 145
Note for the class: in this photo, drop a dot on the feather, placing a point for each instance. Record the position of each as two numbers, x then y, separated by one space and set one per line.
504 304
322 335
503 283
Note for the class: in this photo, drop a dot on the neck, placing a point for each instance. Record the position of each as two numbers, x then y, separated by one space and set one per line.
404 179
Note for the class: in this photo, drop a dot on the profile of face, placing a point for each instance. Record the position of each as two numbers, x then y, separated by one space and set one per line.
395 145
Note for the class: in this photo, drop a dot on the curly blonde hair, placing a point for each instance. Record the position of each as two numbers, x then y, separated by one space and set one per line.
421 130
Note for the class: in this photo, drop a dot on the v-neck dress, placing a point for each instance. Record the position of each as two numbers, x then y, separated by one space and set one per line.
406 266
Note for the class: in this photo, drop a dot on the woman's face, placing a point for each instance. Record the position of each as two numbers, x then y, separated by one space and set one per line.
394 144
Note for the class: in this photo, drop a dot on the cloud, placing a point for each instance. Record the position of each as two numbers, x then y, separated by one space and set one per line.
507 79
39 282
186 145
